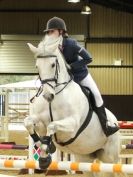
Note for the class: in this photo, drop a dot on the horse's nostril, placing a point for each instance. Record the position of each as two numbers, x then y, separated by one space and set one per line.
52 96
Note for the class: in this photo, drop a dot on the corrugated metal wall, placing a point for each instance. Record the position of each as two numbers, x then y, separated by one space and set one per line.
106 22
113 80
15 56
34 23
107 53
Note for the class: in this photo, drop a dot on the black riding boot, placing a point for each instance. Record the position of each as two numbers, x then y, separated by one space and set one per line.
108 130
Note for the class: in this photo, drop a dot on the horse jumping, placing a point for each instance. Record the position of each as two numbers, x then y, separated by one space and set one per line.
62 109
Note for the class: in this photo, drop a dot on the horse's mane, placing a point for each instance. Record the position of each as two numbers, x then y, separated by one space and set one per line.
49 44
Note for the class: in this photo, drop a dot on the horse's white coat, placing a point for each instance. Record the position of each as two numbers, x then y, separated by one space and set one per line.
69 109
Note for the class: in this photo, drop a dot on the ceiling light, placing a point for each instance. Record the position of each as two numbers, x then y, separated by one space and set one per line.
86 10
73 1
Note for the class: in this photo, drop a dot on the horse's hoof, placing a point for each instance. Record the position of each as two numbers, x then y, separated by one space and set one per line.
45 162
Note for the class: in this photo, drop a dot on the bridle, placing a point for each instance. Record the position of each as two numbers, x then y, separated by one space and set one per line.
54 79
57 70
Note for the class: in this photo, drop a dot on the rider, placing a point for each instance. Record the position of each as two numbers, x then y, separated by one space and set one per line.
78 58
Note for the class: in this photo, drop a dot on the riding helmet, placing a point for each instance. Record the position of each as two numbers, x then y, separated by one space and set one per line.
55 23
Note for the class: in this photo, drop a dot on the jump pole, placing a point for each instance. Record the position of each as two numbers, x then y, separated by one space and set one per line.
12 146
127 146
125 124
90 167
5 176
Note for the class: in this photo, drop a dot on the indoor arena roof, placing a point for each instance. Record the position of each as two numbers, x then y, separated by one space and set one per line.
62 5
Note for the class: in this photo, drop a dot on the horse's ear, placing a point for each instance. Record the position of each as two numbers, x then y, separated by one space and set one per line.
32 48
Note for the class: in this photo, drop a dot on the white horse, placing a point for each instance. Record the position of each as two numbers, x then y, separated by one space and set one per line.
62 100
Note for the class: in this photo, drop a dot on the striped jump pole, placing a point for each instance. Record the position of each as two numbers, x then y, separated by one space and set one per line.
12 146
127 146
1 175
125 124
90 167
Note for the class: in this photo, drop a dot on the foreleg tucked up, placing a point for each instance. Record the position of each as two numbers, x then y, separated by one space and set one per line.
30 123
44 143
69 124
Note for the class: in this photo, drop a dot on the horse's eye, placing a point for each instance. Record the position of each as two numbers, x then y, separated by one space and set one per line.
53 65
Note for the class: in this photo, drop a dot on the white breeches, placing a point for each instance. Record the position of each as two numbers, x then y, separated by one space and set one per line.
90 83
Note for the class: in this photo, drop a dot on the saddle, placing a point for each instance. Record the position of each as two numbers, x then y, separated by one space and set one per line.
89 96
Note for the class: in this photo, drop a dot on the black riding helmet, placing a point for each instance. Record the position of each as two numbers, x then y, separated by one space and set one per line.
55 23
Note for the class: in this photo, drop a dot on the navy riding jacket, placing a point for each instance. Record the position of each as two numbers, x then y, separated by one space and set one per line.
77 57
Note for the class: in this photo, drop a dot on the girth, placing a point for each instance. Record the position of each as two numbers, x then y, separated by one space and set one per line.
84 124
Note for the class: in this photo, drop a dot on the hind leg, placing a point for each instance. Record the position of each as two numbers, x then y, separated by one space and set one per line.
110 153
111 150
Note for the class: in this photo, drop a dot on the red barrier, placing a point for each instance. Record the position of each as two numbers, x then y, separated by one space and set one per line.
126 125
12 146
